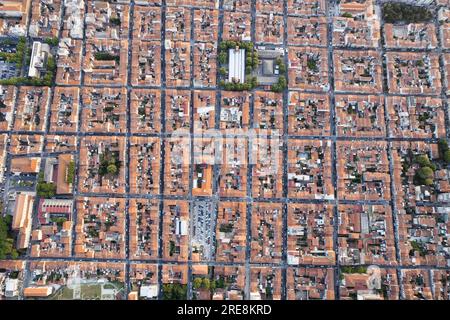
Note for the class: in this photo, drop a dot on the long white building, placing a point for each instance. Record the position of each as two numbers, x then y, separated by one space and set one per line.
236 65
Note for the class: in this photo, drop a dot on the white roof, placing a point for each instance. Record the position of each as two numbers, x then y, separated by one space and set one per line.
11 285
184 228
150 291
37 59
236 65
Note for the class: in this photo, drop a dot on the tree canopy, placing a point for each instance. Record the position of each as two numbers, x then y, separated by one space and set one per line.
6 240
401 12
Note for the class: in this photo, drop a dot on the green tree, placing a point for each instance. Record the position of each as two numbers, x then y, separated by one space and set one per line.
282 68
424 176
280 85
232 44
276 88
46 190
400 12
223 57
105 56
425 172
115 21
197 283
52 41
212 285
174 291
14 254
443 144
206 283
112 169
254 82
223 71
223 46
70 172
220 283
423 160
419 247
229 86
51 64
443 150
447 156
6 242
312 65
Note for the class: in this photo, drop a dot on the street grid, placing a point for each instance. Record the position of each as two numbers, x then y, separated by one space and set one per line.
215 198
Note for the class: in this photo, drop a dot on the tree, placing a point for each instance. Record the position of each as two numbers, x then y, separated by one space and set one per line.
282 68
174 291
6 242
347 15
443 144
232 44
280 64
255 59
197 283
425 172
280 85
51 64
443 150
70 172
181 292
423 160
312 65
223 71
115 21
59 221
254 82
14 254
44 189
206 283
419 247
223 56
52 41
220 283
223 46
447 156
105 56
275 88
424 176
400 12
212 285
229 86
